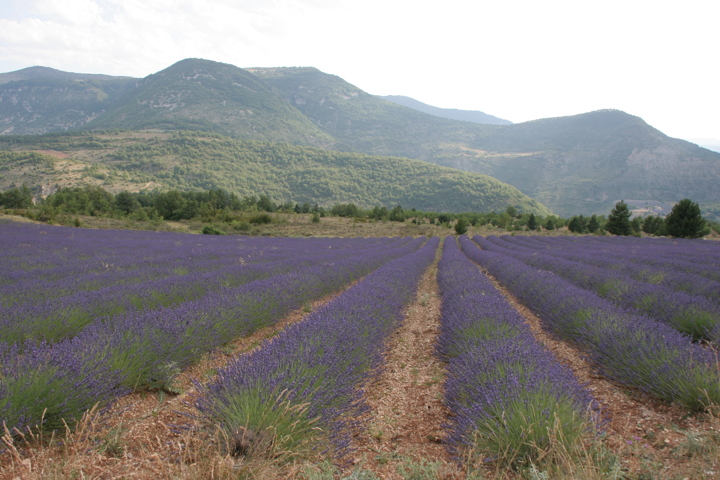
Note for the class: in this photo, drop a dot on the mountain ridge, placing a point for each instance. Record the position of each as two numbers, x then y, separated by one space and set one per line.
574 164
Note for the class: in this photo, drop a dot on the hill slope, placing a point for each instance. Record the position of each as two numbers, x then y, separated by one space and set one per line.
193 161
576 164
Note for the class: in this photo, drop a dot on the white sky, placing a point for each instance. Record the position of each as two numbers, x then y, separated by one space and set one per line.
520 60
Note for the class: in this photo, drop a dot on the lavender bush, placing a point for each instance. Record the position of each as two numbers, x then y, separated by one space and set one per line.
690 314
302 388
145 349
632 349
662 270
510 399
108 283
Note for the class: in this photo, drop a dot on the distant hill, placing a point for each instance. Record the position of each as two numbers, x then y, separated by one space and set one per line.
576 164
32 73
451 113
586 162
137 161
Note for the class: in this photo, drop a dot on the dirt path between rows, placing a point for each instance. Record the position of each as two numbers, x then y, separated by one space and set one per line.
407 411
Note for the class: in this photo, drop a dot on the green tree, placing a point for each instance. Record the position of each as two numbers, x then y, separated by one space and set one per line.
577 224
685 220
211 230
648 225
397 214
126 202
87 200
444 218
378 213
171 205
659 228
532 223
461 226
345 210
593 225
619 220
265 204
17 198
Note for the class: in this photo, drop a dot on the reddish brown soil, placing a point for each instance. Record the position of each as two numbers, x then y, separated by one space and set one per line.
407 412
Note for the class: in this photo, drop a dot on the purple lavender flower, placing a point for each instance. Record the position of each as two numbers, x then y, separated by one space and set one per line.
506 392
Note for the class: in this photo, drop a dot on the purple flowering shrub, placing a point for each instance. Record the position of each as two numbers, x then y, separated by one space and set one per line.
64 317
47 382
690 314
632 349
302 389
510 398
659 268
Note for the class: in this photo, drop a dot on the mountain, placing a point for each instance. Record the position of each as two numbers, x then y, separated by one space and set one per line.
33 73
362 122
586 162
137 161
203 95
575 164
451 113
37 100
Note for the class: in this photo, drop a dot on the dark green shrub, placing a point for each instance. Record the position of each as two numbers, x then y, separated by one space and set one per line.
210 230
261 219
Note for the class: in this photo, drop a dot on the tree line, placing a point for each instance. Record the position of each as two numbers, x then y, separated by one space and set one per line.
685 220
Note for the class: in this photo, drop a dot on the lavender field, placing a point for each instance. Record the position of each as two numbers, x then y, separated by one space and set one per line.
90 316
74 336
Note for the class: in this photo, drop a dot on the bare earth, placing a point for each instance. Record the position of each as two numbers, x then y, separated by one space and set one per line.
406 398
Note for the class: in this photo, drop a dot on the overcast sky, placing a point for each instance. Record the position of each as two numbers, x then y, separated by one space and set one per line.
518 60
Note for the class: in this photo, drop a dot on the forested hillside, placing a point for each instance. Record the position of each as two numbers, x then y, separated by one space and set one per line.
137 161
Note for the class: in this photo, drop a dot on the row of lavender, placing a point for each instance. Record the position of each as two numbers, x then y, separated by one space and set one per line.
698 251
694 315
509 396
650 263
303 389
55 309
693 257
42 262
632 349
146 348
